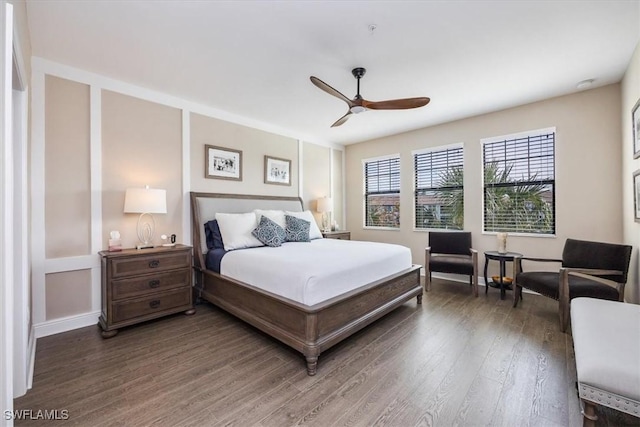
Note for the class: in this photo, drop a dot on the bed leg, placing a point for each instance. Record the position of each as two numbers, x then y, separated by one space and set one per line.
419 298
589 414
312 364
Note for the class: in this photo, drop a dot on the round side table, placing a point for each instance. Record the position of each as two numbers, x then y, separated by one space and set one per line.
503 258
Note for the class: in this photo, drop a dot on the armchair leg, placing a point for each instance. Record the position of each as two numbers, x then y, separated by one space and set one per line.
427 281
517 294
474 285
564 299
564 315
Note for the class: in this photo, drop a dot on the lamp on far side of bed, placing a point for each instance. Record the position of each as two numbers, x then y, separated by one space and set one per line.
325 206
145 201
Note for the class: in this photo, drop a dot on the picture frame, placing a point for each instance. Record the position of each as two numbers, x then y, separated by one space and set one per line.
277 171
222 163
636 195
635 121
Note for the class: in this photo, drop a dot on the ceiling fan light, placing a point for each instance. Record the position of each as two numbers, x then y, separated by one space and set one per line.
356 109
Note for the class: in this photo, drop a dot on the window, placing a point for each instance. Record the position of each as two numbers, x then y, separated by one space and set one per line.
382 192
439 191
519 183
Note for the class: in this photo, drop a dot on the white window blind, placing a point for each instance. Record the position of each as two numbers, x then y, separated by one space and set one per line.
439 190
382 192
519 184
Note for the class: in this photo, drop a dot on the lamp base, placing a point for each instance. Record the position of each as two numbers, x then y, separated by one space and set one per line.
144 247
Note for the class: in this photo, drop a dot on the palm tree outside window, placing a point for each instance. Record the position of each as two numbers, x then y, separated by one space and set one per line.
519 183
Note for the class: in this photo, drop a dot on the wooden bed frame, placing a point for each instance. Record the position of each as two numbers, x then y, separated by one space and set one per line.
308 329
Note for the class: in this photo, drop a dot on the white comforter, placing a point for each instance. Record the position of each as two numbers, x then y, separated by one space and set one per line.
312 272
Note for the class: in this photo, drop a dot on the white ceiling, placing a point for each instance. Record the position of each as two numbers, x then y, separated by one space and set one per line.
254 58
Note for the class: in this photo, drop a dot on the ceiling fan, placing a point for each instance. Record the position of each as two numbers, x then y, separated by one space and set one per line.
359 104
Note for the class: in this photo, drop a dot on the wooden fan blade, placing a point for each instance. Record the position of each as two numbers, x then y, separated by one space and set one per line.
342 119
396 104
331 91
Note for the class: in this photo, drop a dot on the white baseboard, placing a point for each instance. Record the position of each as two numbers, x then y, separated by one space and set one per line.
465 279
65 324
453 277
31 353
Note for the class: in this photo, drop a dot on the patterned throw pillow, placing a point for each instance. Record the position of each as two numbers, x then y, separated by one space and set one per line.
269 233
297 229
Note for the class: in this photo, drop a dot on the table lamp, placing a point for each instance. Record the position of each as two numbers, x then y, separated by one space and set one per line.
145 201
325 206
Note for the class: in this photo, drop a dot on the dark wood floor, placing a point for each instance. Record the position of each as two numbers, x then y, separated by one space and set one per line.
455 360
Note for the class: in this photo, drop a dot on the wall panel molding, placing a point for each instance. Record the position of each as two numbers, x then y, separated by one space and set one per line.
41 266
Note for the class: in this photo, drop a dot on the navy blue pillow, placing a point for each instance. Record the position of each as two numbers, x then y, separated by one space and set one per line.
212 232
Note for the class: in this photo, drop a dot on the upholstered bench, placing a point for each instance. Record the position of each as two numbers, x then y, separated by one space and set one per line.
606 340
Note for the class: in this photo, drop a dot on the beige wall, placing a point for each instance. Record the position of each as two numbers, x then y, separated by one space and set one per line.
68 293
630 95
316 162
141 145
588 165
338 186
253 143
67 175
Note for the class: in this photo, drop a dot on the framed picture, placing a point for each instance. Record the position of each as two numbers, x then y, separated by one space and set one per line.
222 163
636 195
277 171
635 120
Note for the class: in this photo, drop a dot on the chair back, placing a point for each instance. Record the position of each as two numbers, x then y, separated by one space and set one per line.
605 256
450 242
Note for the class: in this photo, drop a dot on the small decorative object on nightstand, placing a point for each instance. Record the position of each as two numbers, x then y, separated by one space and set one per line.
143 285
340 235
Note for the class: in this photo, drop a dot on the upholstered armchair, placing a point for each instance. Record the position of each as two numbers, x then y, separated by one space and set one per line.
588 269
451 252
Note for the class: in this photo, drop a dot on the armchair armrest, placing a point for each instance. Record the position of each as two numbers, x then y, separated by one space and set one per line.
517 262
591 271
538 259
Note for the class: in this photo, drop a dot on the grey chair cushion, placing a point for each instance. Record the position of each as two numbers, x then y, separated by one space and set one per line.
456 264
547 283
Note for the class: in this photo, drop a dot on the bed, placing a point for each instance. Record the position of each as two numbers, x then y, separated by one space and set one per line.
308 328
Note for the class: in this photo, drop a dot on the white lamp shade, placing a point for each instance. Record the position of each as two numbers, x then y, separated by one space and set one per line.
145 200
325 204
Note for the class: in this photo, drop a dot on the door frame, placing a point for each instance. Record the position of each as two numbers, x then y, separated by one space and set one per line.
6 213
23 342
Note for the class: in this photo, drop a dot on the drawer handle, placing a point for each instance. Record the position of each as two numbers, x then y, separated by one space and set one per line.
154 283
154 304
154 264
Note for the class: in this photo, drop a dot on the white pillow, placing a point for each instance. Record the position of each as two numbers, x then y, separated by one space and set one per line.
274 215
236 230
314 231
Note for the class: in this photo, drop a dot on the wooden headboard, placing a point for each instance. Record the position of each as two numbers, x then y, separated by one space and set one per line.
204 207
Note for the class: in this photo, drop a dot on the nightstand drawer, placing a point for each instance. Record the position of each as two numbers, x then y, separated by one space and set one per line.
152 263
143 285
338 235
158 303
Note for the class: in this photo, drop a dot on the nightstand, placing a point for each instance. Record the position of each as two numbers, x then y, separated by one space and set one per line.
340 235
140 285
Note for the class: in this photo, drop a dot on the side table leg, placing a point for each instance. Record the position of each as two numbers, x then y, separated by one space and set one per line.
502 273
486 282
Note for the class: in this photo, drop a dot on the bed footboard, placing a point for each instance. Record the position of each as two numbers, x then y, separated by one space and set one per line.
310 329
